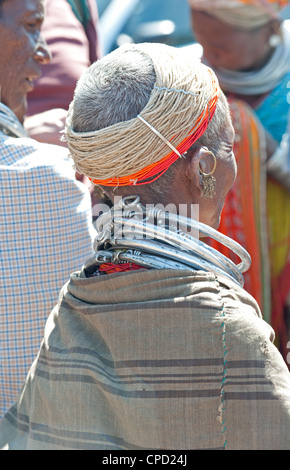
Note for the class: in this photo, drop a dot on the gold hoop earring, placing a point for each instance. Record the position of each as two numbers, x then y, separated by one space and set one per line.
208 180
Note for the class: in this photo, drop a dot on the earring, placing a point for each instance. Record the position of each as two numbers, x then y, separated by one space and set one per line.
208 180
275 40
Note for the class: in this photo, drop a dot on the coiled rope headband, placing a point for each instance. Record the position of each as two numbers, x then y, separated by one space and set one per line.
140 150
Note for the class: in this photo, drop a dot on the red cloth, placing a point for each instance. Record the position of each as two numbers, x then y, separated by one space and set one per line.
73 50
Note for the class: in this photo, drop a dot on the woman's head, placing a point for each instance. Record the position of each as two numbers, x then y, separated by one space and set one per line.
175 98
230 47
236 34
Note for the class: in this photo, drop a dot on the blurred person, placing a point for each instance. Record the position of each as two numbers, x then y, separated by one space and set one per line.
248 46
45 214
70 30
154 344
279 163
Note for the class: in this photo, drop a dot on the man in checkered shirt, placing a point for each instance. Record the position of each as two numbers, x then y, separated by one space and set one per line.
45 214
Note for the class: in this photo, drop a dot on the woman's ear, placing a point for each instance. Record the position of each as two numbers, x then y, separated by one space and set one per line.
201 165
274 34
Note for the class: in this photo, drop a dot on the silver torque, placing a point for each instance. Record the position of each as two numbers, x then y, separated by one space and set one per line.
188 244
131 232
192 260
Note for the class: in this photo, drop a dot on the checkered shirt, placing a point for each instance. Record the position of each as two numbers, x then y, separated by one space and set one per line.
46 233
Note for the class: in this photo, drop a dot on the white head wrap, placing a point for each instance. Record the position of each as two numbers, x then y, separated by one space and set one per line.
241 14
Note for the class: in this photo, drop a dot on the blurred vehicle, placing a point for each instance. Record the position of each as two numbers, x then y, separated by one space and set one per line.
123 21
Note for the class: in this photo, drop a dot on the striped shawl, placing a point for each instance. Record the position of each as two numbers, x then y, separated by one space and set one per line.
154 359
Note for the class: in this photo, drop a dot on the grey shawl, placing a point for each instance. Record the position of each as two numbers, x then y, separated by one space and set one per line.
157 359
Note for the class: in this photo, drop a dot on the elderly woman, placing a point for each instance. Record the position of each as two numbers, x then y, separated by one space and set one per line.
154 344
248 46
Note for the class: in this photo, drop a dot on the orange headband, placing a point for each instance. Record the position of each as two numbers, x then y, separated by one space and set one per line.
279 3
